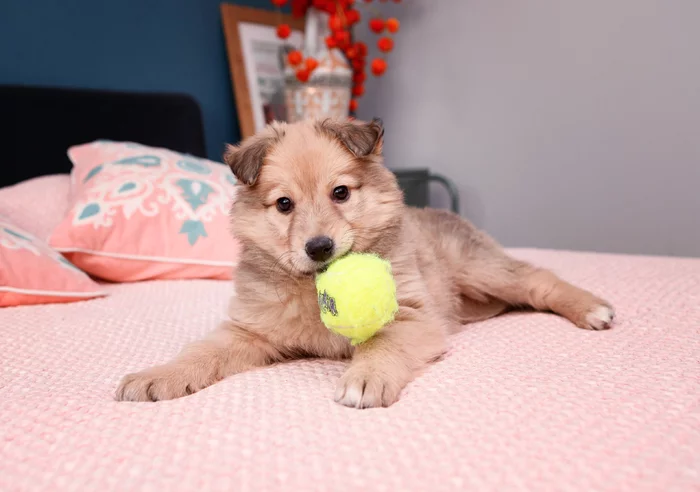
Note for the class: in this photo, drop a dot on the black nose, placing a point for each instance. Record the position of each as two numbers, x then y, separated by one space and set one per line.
319 248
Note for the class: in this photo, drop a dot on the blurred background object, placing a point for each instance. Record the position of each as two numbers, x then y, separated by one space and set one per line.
254 51
317 75
318 78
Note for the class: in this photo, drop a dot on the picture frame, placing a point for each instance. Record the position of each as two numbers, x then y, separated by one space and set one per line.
253 50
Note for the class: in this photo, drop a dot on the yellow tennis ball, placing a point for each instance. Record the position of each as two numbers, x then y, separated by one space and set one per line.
357 296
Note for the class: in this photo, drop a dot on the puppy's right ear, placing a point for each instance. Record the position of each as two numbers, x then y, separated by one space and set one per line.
245 163
246 160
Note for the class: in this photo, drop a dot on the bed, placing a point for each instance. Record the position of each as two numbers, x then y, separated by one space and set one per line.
521 402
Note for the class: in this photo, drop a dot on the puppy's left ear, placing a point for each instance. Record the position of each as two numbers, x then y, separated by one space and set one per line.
360 138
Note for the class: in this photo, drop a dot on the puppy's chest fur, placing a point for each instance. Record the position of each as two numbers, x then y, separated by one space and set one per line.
286 313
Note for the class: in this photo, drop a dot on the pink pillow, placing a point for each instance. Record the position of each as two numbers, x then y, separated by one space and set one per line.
32 273
37 205
140 213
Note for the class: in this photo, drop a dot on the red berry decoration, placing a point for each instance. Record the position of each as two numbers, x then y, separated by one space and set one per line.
342 17
294 57
377 25
342 38
353 105
335 23
378 66
352 16
393 25
358 90
359 77
385 44
311 64
284 31
361 48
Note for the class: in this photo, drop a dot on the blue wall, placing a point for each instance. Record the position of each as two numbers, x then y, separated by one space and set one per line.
141 45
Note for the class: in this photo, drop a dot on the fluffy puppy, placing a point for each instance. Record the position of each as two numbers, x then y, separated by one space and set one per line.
311 192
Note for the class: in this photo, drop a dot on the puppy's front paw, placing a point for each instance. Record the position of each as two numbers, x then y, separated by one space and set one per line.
600 317
364 387
157 383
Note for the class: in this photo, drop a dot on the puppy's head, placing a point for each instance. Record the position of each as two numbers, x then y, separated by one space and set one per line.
312 191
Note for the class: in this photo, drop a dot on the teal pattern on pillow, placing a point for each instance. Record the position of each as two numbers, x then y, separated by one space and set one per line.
148 184
141 160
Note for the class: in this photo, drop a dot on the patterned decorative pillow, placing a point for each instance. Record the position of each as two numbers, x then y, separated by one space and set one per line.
140 213
33 273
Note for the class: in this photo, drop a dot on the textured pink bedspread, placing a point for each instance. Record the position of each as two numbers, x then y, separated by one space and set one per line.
521 402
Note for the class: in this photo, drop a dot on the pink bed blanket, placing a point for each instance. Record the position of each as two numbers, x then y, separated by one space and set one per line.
521 402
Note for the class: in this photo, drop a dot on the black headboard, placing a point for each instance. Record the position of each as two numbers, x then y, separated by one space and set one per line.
44 122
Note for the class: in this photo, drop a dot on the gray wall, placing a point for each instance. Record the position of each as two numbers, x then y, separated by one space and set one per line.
565 124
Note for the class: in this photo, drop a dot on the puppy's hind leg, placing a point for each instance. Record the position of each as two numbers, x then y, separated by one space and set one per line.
493 274
472 310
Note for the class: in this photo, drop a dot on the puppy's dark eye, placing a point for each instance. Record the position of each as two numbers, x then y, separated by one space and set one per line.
284 205
341 193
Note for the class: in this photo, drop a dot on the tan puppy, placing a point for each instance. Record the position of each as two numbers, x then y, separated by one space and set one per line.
310 192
